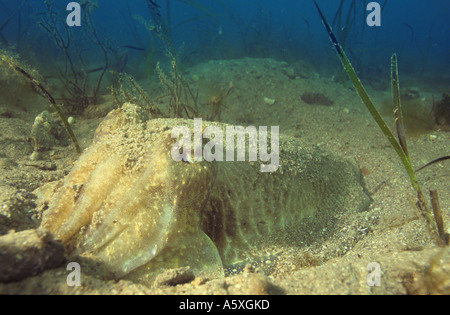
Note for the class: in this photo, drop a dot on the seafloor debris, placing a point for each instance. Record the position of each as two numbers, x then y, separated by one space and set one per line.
172 277
441 112
316 99
27 253
48 132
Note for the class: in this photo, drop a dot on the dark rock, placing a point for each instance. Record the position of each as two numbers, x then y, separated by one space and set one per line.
28 253
173 277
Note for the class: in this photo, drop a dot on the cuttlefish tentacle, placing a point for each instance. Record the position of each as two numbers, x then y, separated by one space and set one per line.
83 177
158 206
126 215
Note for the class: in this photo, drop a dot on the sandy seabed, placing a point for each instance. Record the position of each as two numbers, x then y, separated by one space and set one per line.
391 233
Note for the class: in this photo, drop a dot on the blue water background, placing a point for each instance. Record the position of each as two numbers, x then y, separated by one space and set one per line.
417 30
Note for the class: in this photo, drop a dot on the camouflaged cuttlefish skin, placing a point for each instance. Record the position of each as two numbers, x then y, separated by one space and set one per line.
127 204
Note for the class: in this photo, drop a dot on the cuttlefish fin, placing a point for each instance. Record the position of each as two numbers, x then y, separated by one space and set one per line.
194 249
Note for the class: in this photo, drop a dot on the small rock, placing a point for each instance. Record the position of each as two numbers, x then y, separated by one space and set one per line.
28 253
290 73
365 171
252 284
411 93
71 120
173 277
269 101
35 156
47 132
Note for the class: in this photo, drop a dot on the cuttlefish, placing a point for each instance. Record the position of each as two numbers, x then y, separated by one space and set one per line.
130 206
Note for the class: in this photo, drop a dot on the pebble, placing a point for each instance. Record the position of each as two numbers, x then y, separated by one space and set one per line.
71 120
269 101
35 156
173 277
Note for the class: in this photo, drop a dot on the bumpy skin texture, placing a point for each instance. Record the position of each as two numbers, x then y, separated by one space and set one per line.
130 206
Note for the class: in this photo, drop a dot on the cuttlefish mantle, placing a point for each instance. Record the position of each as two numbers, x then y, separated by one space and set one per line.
128 205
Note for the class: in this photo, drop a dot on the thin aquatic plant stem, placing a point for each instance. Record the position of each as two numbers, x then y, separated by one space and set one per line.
53 102
379 120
